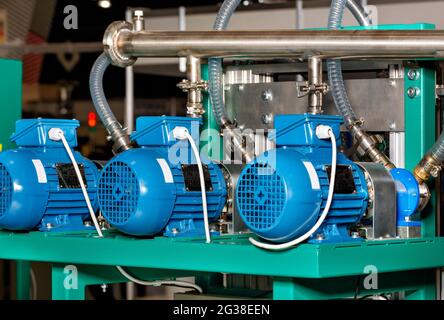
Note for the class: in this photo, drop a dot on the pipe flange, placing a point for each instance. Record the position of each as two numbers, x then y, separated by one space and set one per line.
110 43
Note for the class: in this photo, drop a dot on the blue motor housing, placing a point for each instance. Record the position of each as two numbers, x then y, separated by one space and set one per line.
156 188
38 185
282 193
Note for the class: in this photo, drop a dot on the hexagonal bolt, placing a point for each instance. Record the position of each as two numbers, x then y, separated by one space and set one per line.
412 92
412 74
392 125
320 237
267 118
267 95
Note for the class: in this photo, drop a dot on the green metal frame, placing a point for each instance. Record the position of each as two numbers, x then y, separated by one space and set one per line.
10 99
309 266
420 128
11 111
309 271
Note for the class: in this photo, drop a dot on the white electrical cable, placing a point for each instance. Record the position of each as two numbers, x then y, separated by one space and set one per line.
284 246
182 133
159 283
57 134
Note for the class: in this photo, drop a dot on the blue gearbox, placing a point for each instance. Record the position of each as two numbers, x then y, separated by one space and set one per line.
281 194
155 188
38 184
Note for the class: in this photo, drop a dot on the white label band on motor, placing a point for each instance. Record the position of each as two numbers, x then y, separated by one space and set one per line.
314 179
40 170
167 174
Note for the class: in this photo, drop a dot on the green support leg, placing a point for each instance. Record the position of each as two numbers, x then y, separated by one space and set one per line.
208 281
427 291
23 272
64 288
290 289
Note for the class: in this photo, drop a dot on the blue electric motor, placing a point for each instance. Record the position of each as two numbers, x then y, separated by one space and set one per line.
38 184
281 194
156 188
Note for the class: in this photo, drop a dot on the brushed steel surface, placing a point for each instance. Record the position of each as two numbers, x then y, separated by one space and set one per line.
382 204
291 43
379 101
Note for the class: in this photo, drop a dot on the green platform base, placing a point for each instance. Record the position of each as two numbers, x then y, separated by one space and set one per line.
307 272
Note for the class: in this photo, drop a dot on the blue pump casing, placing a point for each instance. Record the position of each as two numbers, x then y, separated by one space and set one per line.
156 188
282 193
38 185
408 198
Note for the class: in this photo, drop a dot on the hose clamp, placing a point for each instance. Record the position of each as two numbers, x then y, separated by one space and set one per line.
110 43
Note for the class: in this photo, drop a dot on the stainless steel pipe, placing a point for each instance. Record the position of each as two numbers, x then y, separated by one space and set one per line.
122 43
315 95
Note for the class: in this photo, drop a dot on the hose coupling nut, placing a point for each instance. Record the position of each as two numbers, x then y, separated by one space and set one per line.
428 167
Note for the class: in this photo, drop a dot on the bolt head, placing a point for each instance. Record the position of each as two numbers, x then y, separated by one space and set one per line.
267 95
412 74
138 13
49 225
320 237
355 235
412 92
392 125
267 118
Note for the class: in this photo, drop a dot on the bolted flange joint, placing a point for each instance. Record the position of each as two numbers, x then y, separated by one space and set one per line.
194 89
186 85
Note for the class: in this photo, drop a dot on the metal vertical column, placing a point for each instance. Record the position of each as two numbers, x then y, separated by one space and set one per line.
129 89
420 119
23 273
